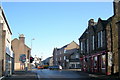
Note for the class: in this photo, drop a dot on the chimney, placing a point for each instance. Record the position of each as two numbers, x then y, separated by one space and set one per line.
116 5
91 22
22 38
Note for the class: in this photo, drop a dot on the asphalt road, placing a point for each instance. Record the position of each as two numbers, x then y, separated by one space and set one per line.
59 74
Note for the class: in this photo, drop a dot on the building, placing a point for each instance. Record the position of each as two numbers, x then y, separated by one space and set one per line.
37 61
6 54
74 61
118 24
51 61
61 56
48 61
22 53
93 47
99 44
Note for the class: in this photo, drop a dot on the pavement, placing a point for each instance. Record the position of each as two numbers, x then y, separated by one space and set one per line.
94 75
22 75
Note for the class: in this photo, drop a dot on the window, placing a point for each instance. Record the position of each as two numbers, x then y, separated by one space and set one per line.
77 56
81 46
72 65
95 62
60 52
64 57
87 46
56 59
93 45
63 64
60 58
103 61
77 65
100 39
84 47
64 51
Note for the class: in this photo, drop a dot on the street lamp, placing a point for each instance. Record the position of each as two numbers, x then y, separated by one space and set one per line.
31 46
31 43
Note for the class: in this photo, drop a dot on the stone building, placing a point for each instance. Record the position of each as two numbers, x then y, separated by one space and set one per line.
61 56
99 44
74 61
22 53
112 36
6 54
118 24
48 61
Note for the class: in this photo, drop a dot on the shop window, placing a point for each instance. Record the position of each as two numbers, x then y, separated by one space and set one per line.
95 62
73 65
103 61
77 65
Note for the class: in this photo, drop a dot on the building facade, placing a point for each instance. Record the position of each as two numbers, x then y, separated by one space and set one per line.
74 61
99 44
22 53
61 56
48 61
37 61
6 53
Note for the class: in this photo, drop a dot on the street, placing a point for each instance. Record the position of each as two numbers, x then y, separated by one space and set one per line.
46 73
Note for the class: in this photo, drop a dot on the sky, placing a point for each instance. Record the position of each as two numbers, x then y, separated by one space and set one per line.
52 24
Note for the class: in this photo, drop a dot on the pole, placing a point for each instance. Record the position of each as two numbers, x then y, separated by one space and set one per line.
31 44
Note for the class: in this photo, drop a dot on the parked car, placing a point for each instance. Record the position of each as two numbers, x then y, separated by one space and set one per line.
40 67
55 67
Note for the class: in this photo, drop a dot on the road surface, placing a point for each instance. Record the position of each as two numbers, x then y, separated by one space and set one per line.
59 74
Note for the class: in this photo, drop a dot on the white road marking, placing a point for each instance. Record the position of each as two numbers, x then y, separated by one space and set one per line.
38 76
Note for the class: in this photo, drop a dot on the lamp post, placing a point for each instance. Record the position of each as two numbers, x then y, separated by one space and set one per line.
31 43
29 56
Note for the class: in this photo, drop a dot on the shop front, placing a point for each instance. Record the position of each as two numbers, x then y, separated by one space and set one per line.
8 62
100 63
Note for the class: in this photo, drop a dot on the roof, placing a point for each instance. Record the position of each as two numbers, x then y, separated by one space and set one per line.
103 22
5 19
24 44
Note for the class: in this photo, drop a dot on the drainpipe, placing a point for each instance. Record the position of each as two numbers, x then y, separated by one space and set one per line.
118 25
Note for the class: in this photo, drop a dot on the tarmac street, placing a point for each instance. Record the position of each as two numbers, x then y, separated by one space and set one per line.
46 74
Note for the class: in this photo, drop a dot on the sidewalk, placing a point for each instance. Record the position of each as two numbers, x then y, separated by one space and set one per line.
22 75
94 75
101 76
